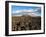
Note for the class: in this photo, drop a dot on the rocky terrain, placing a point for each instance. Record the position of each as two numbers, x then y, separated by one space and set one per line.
26 23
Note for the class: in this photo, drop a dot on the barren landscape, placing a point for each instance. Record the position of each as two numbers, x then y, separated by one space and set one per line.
28 22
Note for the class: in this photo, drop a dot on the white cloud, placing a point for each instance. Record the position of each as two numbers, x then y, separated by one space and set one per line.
37 9
32 14
32 10
28 12
18 11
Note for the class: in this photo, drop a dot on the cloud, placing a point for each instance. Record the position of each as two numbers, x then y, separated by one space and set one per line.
25 10
36 9
19 11
32 12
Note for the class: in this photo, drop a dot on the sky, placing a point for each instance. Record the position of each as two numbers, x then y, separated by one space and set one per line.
20 10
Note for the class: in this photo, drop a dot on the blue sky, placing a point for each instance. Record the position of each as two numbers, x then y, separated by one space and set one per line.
37 10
